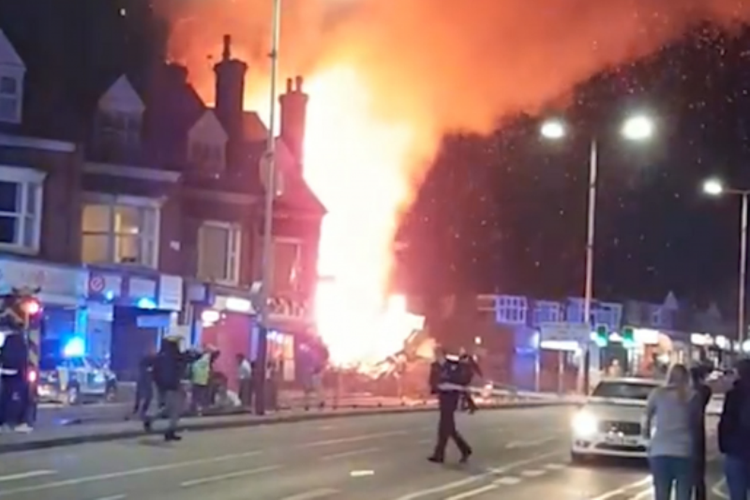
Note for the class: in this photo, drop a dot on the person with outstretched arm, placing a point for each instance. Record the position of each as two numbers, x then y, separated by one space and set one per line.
443 374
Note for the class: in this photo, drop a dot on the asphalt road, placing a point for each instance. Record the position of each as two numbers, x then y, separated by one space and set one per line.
520 453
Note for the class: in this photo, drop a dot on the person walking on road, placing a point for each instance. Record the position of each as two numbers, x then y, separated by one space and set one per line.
734 434
144 387
670 425
701 397
169 368
444 376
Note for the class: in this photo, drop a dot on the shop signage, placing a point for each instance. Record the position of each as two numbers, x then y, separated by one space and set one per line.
59 285
565 332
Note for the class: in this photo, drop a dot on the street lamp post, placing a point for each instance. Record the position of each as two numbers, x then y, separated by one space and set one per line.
269 164
635 128
715 187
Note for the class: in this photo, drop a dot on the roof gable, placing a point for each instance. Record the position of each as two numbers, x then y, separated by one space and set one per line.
121 96
8 54
208 128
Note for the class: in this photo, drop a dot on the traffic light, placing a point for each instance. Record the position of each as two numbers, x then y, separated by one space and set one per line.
602 336
628 337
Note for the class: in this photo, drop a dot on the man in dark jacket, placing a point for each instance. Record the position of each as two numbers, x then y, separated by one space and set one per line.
471 366
170 366
700 402
734 434
443 372
14 386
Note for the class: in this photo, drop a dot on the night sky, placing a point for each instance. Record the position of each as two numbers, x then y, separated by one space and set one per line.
507 213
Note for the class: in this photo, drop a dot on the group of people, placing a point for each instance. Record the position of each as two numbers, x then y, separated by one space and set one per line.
675 423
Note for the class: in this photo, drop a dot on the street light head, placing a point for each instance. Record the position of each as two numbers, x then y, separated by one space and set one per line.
638 128
553 129
713 187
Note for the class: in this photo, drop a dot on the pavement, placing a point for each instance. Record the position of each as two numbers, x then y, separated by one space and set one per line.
520 453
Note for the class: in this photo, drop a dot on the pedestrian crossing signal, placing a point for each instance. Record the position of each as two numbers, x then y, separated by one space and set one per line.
628 337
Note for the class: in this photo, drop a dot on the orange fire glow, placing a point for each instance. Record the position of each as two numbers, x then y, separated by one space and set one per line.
386 79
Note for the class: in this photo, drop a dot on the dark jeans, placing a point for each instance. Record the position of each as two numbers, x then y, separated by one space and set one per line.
13 400
672 473
737 473
246 392
144 393
447 425
699 478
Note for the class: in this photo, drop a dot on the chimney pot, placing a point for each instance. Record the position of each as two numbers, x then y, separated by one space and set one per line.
227 54
289 87
299 82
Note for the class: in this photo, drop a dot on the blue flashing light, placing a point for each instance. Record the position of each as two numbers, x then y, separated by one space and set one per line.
109 295
74 348
146 303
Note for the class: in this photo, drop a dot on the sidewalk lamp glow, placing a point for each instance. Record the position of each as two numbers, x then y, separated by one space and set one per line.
553 129
638 128
713 187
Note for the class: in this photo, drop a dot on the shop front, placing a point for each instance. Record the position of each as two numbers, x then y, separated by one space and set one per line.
128 312
62 295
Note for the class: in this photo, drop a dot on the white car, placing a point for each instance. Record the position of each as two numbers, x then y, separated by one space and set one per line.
610 422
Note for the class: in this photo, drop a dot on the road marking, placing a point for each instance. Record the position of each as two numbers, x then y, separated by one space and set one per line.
352 453
115 497
532 473
354 439
126 473
476 477
718 489
230 475
622 490
473 493
507 481
26 475
555 466
312 495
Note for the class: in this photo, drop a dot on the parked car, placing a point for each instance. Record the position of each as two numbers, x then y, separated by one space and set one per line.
75 380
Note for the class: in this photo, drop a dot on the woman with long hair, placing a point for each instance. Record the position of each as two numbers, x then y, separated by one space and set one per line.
670 426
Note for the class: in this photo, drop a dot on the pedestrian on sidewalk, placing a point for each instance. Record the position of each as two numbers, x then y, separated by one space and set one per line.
670 414
445 374
169 367
245 380
734 434
701 397
14 382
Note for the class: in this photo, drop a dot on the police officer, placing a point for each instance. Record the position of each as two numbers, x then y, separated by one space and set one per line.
444 374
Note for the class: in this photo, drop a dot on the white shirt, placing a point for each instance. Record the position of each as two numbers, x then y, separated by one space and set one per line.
245 371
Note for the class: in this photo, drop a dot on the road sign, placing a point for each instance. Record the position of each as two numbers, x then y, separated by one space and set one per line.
565 332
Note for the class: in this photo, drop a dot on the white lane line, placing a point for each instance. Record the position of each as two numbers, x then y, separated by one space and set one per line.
507 481
354 439
313 495
230 475
347 454
126 473
473 493
532 473
115 497
718 489
622 490
26 475
477 477
555 466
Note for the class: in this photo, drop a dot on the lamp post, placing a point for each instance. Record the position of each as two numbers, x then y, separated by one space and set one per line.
714 187
635 128
269 163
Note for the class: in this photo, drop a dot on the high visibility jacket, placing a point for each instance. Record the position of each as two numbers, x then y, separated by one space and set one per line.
202 370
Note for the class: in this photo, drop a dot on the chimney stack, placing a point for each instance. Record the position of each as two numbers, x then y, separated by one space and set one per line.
230 90
293 117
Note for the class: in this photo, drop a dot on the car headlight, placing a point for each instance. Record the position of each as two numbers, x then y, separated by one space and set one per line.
585 424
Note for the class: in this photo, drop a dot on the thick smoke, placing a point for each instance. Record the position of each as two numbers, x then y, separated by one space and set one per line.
452 63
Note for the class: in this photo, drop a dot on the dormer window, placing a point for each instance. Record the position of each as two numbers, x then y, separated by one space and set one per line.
207 155
120 128
10 99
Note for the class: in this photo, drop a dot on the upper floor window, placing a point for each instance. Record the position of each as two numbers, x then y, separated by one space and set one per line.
204 154
512 310
287 264
20 209
10 99
121 230
119 129
547 312
219 247
656 317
